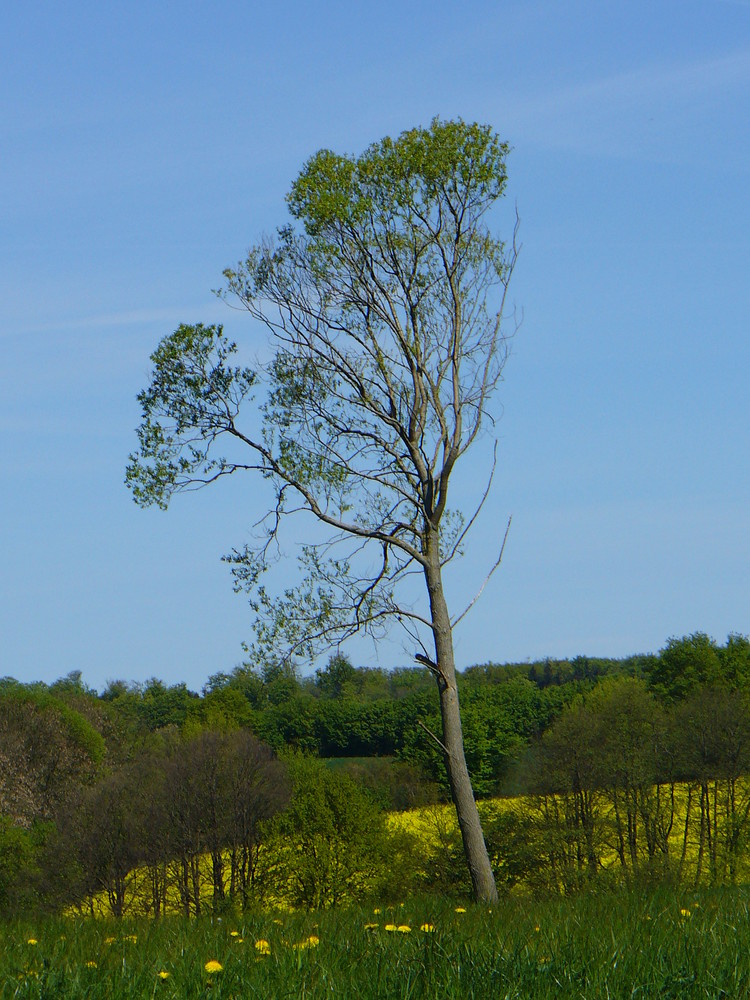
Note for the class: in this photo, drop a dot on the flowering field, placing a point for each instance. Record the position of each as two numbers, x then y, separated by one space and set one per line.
536 847
661 945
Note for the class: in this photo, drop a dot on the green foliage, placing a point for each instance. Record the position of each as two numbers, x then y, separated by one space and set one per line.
153 705
76 727
734 658
337 849
401 189
519 847
20 852
224 709
498 721
684 665
395 785
193 398
338 672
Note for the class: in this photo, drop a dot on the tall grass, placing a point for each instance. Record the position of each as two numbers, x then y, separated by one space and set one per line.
661 944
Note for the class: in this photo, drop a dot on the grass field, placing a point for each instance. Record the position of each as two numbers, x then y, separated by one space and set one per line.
637 945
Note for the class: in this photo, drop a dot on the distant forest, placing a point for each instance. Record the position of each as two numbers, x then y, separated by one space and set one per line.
94 783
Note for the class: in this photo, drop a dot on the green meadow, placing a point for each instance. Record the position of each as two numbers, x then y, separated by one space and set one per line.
662 944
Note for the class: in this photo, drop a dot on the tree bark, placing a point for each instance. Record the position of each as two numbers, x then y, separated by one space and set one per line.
475 848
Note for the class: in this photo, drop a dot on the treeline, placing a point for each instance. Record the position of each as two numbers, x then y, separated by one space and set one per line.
614 758
342 711
628 787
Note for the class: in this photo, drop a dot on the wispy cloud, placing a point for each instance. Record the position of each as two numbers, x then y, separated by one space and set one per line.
132 317
648 109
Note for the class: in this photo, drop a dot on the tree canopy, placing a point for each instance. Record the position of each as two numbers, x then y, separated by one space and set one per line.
388 347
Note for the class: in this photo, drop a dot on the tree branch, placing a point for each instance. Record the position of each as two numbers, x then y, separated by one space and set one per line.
486 579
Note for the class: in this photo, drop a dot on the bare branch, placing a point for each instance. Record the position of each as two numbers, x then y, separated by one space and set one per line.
486 579
430 733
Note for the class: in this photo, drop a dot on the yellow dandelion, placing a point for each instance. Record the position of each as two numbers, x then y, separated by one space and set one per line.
391 927
313 941
239 940
263 947
371 927
163 974
537 928
376 910
404 929
460 909
91 964
213 966
427 928
234 933
32 941
685 913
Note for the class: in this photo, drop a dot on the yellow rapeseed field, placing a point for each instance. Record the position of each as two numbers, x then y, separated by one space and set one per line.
690 830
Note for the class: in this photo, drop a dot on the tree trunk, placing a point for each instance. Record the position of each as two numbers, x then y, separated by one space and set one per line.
475 849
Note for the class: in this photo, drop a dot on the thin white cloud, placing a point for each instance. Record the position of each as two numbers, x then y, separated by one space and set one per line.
644 110
133 317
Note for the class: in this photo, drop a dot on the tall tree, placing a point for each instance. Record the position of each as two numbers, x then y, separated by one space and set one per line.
385 307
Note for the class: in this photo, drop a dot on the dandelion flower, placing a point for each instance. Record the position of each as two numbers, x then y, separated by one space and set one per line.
404 928
376 910
391 927
163 974
263 947
91 965
460 909
685 913
371 927
427 928
213 966
32 941
234 933
313 941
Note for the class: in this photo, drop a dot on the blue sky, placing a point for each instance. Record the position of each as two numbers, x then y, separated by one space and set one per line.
146 146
